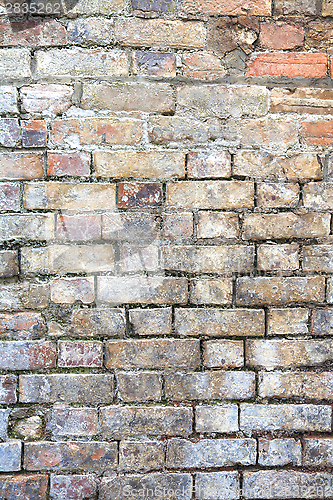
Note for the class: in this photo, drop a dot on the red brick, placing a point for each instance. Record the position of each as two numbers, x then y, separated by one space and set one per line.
78 227
69 290
73 487
319 133
203 66
34 133
280 36
82 353
8 389
31 355
139 194
39 33
228 7
10 196
24 487
21 166
73 163
22 325
291 64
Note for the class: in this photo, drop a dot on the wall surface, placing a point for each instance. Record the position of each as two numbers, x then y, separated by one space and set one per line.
166 261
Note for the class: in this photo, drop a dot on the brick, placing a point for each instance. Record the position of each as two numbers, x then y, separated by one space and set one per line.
276 195
10 456
26 227
8 389
175 129
232 8
279 452
28 355
178 225
317 133
89 7
64 259
23 295
223 353
299 7
132 96
92 322
21 166
318 34
81 62
220 322
117 422
68 196
149 63
318 195
287 321
40 33
203 164
287 224
141 455
4 415
211 291
122 226
217 225
139 194
43 98
206 259
270 132
273 167
150 290
134 258
210 194
150 321
24 487
8 263
225 34
34 133
291 65
78 227
210 385
284 353
203 66
22 326
10 196
90 31
286 484
65 421
318 452
15 63
219 418
97 131
327 8
67 388
140 164
74 163
309 385
69 290
10 135
276 291
285 417
160 33
71 456
152 353
112 488
210 453
8 99
312 101
213 485
75 487
154 5
83 354
278 257
222 102
322 322
318 258
281 36
142 386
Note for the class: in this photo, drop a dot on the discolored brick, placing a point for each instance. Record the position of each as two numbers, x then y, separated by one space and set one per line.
142 386
10 196
21 166
139 195
24 487
151 321
8 389
219 418
154 63
34 133
278 452
8 263
141 455
69 290
223 353
286 385
278 257
281 36
211 291
74 163
73 422
287 321
217 225
291 65
48 98
81 486
83 354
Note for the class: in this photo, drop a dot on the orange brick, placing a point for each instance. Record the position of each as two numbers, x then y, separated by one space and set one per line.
280 36
73 163
289 64
319 133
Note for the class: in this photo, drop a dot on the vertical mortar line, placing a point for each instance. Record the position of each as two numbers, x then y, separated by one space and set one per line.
234 290
266 313
186 166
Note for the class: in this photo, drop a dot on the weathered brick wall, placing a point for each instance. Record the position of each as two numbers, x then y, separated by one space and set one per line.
166 264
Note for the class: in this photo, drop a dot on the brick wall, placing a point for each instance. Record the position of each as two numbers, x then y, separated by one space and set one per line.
166 261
